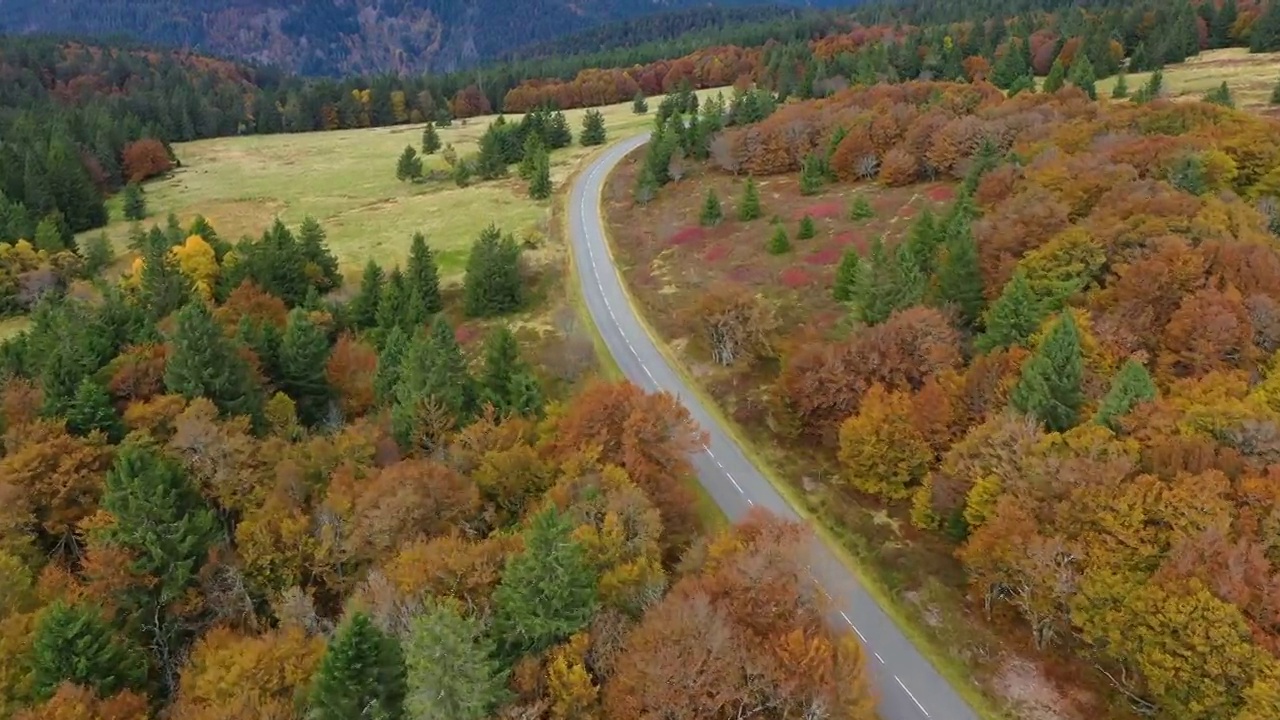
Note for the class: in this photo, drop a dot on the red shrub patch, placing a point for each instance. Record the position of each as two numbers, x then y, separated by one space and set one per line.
795 277
716 253
827 256
746 274
688 235
942 193
466 334
819 211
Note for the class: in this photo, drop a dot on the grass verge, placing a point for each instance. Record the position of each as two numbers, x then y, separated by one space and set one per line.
844 545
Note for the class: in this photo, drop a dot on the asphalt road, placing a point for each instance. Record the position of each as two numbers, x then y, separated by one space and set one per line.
908 687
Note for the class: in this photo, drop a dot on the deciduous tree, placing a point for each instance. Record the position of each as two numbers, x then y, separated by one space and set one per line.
880 450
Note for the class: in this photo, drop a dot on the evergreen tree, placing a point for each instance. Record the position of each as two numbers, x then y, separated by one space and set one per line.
311 244
134 202
492 284
1221 28
49 236
409 166
1220 95
91 410
263 338
452 673
507 382
430 140
393 303
204 363
887 283
1082 76
861 209
812 175
848 276
750 208
593 130
711 212
422 277
395 345
491 161
923 241
15 221
540 186
1049 388
1275 94
1013 317
558 133
531 156
639 105
1121 90
161 520
362 675
73 643
1025 83
304 350
646 188
1056 78
807 229
779 243
1010 66
547 592
98 254
364 306
959 279
433 378
1265 33
1131 385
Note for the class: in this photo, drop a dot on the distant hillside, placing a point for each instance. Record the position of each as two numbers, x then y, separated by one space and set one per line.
338 37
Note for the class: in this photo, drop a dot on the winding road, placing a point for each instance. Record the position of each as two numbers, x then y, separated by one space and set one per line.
908 686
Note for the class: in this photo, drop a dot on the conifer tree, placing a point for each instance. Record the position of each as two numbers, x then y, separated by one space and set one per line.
134 202
1013 317
531 155
364 306
1025 83
711 212
304 350
393 303
362 675
558 133
750 208
90 409
204 363
316 254
395 344
923 241
507 382
452 672
812 175
848 276
422 277
807 229
492 285
263 338
640 105
1131 385
888 283
1056 78
959 279
74 643
15 221
433 379
861 209
1220 95
1121 90
49 236
430 140
1082 76
1010 66
540 186
1221 28
1049 388
779 243
646 188
98 254
1275 94
409 166
593 130
547 592
1264 36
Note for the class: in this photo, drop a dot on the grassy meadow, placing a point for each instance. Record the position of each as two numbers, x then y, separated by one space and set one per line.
346 180
1250 77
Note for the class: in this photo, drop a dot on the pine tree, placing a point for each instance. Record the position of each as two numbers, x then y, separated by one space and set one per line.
321 264
959 279
711 212
923 241
393 303
646 188
750 208
364 306
1121 90
1010 66
558 133
531 155
1220 95
422 277
807 229
593 131
1082 76
1049 388
91 410
49 236
451 668
1264 36
540 186
362 675
430 140
639 105
159 518
1025 83
74 643
1056 78
861 209
848 276
547 592
395 344
433 378
1013 317
134 202
507 382
98 254
409 166
1131 385
779 243
812 175
304 350
204 363
492 285
887 283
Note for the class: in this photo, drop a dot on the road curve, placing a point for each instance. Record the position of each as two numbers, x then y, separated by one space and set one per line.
908 686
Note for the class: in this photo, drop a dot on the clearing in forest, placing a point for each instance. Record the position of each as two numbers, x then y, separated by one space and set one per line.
1251 77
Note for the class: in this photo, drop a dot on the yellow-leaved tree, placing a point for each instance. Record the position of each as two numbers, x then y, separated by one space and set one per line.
881 452
198 261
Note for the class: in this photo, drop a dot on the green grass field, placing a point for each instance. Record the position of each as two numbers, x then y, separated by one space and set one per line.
1250 77
346 180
